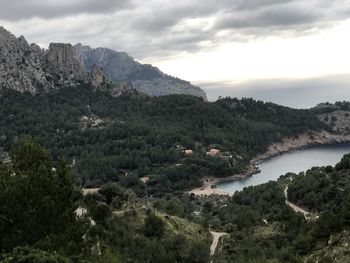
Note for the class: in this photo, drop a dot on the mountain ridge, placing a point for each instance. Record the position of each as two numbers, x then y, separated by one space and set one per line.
119 66
29 68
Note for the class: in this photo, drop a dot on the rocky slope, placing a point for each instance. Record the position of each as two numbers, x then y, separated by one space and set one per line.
22 66
337 116
304 140
120 67
28 68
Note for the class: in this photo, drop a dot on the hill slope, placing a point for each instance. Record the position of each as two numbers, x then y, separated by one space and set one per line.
107 138
119 66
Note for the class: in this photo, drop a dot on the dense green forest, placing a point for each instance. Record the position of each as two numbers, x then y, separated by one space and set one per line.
322 188
41 225
262 228
119 139
115 225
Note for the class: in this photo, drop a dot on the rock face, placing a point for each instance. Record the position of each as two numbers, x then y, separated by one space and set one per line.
21 65
97 77
29 68
62 60
337 116
120 67
123 89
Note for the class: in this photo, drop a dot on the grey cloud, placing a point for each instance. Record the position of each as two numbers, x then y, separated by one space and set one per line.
156 28
17 9
281 17
254 4
243 19
163 16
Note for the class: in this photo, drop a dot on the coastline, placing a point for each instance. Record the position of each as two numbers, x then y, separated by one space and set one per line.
303 141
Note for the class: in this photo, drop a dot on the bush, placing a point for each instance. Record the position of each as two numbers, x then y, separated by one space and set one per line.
154 226
31 255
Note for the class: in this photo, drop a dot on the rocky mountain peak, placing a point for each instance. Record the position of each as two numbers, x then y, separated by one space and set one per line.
7 40
26 67
21 65
120 67
5 34
63 60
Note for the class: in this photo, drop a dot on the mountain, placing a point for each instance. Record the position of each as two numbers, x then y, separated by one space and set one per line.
23 66
119 66
29 68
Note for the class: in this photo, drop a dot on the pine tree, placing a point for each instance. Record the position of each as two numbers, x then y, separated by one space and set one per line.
345 212
36 199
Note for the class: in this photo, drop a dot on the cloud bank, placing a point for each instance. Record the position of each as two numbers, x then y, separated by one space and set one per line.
159 28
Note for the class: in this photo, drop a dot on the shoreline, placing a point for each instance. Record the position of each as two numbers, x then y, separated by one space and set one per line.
287 145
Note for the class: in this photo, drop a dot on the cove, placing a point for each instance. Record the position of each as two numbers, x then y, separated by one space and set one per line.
294 162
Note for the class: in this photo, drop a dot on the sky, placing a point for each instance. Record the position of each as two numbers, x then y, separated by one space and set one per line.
223 45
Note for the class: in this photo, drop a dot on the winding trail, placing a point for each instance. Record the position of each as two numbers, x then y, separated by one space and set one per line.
214 244
307 214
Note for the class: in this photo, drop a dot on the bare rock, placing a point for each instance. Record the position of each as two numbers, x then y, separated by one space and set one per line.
21 64
125 88
26 67
62 60
97 77
120 67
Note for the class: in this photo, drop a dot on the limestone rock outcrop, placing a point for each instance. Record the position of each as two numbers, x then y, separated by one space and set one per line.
21 65
29 68
125 88
97 77
120 67
63 61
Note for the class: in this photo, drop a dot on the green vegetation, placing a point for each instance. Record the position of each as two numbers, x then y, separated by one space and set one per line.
321 188
37 204
112 142
258 215
40 219
120 139
114 225
26 255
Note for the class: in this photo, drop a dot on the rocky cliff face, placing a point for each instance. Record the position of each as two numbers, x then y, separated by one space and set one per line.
97 77
120 67
28 68
21 65
62 60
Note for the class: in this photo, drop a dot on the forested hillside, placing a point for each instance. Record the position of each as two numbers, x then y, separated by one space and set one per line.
42 219
259 215
108 138
322 188
113 224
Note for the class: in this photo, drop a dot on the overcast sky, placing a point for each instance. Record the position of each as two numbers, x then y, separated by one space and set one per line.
200 40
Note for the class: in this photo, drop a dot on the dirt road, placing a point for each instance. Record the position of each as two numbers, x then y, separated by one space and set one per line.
307 214
214 244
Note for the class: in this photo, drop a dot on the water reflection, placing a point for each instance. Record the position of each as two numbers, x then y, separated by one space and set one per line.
295 162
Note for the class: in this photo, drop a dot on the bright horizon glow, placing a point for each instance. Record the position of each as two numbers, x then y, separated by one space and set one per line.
322 53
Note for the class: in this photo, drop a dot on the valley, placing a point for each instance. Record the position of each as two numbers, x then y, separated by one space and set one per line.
104 159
